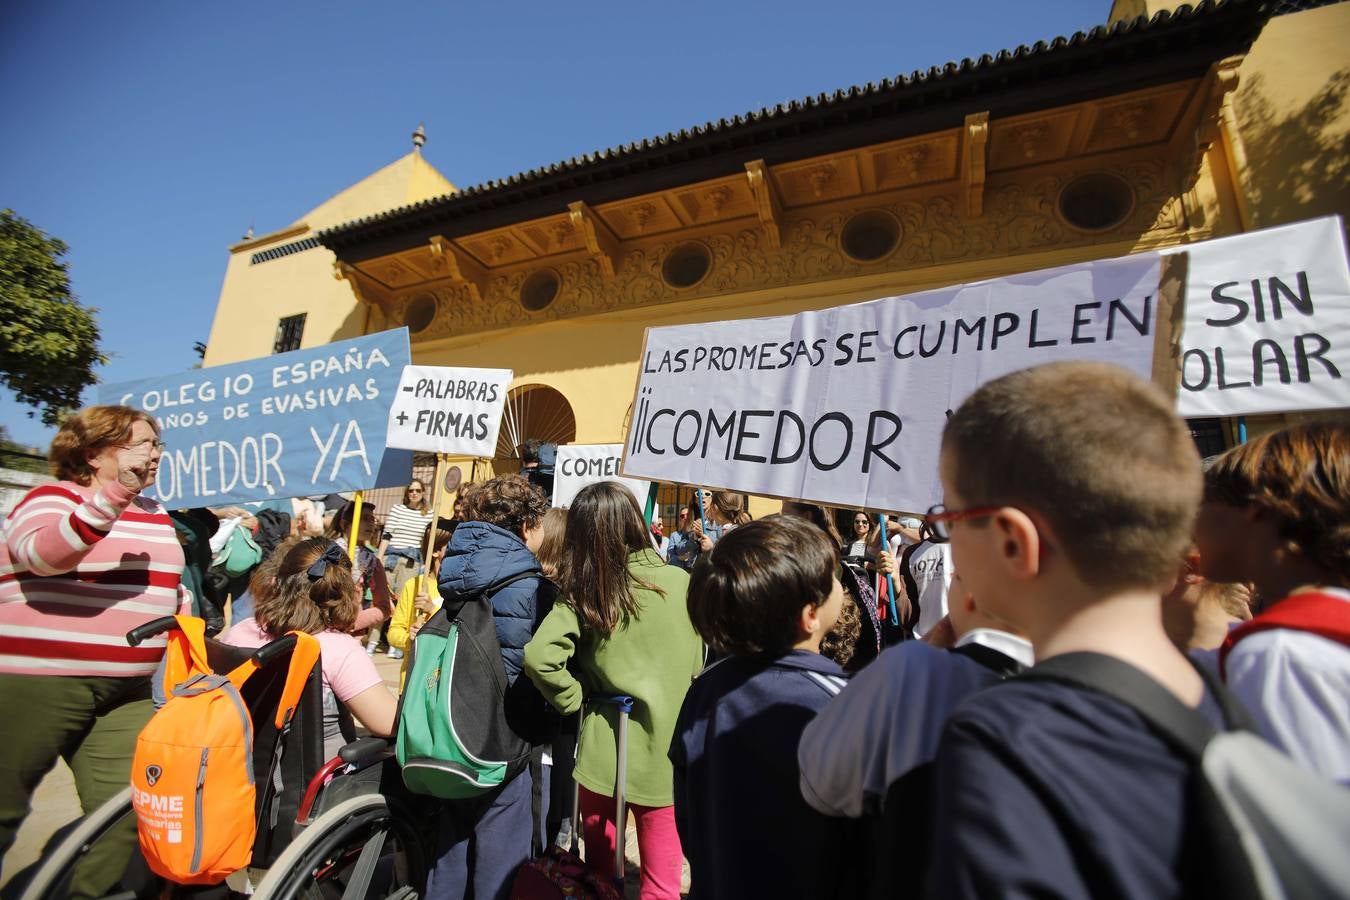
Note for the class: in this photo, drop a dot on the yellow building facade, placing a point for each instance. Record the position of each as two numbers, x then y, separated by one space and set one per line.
1161 128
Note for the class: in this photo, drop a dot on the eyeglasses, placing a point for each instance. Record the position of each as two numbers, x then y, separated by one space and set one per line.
413 490
148 442
938 517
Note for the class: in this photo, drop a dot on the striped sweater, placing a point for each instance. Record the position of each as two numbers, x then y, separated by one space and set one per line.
79 568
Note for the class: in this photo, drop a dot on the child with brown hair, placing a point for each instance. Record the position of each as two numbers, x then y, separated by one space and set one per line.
1277 513
620 626
1070 492
306 585
766 596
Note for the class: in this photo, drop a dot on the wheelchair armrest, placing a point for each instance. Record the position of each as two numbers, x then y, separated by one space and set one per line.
364 751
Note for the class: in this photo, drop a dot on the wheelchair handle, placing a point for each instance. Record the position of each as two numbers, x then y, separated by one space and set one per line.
144 632
268 652
622 701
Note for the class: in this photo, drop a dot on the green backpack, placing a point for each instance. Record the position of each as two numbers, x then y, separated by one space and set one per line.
240 553
453 740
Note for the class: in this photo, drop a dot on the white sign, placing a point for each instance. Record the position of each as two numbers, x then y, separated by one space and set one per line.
581 464
448 410
1267 322
846 405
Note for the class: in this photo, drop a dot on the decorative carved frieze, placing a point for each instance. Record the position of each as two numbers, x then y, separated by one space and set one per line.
1019 216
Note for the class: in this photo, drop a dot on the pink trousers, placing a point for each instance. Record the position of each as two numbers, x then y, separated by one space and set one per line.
658 843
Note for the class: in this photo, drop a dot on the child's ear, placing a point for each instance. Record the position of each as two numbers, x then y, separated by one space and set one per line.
1019 543
808 622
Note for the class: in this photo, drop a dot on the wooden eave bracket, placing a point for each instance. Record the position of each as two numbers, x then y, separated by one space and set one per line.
1219 84
601 242
975 162
367 289
461 268
767 203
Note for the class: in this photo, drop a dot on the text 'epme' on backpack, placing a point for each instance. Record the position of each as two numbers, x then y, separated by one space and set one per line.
192 779
454 741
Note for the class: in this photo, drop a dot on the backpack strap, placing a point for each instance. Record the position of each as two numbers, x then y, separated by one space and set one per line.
303 658
304 655
452 608
1181 726
1315 612
185 655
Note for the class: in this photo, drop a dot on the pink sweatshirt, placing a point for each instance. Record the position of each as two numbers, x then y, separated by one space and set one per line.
79 568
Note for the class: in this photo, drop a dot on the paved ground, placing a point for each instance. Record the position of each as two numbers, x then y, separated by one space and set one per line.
56 803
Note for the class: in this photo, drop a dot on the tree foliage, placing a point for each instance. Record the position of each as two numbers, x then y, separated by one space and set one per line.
48 339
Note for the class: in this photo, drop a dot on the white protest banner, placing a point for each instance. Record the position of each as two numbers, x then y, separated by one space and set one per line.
440 409
846 405
1267 325
581 464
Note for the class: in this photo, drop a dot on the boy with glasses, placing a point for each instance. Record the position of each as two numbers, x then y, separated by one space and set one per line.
1070 493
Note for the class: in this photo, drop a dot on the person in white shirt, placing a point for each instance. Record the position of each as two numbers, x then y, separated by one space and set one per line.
889 718
1276 513
926 568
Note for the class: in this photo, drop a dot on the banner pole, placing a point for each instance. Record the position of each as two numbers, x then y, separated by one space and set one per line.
890 578
1242 429
435 512
702 517
356 525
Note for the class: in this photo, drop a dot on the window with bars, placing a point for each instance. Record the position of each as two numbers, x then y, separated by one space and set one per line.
289 332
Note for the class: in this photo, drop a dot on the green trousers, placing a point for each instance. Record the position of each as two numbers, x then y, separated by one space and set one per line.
92 724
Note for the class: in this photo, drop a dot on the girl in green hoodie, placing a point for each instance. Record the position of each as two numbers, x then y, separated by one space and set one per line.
622 622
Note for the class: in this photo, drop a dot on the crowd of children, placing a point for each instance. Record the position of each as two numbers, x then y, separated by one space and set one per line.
788 742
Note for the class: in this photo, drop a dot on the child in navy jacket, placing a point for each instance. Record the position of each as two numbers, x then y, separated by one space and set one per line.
765 596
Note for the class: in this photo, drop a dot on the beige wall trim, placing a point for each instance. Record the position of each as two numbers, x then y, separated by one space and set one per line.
256 242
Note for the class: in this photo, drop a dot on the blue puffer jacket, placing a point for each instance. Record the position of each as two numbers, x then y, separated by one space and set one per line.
481 555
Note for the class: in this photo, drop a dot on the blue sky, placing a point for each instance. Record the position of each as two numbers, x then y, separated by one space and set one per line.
150 135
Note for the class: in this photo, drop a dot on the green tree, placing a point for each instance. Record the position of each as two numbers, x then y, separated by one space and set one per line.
48 339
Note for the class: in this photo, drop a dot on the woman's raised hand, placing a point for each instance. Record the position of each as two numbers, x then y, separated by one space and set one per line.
133 467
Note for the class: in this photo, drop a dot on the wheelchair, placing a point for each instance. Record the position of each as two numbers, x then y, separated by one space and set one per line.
343 827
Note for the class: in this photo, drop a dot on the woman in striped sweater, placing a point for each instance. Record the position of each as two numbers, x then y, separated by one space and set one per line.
82 562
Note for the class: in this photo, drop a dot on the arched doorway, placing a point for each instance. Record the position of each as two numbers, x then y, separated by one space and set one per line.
532 411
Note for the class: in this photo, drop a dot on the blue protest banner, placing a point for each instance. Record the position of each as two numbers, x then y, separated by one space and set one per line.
306 422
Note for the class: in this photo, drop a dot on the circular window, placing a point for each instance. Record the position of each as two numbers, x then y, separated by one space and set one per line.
419 312
1096 202
540 290
686 265
870 236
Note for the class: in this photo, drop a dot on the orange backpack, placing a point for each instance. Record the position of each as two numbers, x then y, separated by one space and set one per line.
192 778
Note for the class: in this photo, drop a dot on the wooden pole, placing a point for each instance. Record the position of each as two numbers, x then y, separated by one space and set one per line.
356 525
435 511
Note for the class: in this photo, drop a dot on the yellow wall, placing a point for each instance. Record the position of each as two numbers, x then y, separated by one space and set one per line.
253 298
1293 118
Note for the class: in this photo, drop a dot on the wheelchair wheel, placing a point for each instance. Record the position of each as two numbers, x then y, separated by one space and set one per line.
51 878
359 848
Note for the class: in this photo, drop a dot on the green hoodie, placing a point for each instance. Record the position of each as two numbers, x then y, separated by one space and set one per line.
651 657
